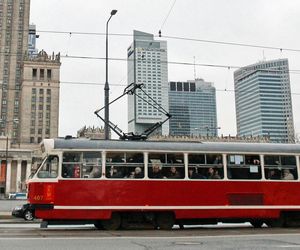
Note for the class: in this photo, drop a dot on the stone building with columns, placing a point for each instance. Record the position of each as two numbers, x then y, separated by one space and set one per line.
19 165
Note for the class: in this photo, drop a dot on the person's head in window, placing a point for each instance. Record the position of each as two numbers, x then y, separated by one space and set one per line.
156 168
138 173
256 162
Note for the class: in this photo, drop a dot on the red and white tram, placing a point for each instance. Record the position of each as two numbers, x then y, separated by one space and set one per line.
115 183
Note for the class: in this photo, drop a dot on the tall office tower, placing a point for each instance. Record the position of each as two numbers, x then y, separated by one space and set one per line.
147 64
14 22
192 105
39 98
263 101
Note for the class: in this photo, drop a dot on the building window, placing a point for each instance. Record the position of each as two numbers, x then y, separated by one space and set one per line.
186 86
48 91
47 131
33 91
32 131
179 86
40 107
42 74
192 87
49 74
34 74
31 139
40 131
39 139
172 86
41 91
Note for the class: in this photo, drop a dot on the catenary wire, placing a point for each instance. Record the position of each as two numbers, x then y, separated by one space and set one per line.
169 37
167 16
124 85
245 68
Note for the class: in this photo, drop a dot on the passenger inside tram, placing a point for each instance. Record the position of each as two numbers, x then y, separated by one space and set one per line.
138 173
213 174
174 174
156 172
287 175
272 175
193 174
95 173
114 172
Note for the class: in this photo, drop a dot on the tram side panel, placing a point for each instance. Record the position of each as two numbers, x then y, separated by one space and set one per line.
97 199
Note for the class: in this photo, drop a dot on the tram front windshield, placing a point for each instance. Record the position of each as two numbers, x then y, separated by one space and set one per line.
49 167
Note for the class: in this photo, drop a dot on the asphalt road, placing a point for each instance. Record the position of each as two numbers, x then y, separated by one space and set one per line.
30 236
16 234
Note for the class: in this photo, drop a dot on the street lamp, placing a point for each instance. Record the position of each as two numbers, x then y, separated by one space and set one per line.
106 86
6 148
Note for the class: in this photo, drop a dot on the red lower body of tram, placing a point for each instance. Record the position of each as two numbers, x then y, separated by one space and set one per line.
167 202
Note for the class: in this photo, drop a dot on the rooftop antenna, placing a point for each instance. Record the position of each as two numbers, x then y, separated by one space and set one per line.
264 58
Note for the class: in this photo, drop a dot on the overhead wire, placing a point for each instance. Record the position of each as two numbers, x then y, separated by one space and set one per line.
245 68
173 37
167 16
124 85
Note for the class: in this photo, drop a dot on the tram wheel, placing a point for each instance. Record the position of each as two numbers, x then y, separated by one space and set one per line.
113 223
257 223
165 221
98 225
280 222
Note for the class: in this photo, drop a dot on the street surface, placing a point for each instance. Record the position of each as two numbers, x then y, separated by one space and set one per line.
23 235
17 234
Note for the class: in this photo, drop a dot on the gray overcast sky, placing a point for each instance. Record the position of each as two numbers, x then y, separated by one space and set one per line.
264 22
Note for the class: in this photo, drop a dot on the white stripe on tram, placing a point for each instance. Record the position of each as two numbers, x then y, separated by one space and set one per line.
175 207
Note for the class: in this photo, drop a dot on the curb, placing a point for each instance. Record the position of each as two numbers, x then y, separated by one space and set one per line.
4 216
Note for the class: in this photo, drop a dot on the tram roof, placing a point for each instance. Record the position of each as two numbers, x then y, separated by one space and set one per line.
172 146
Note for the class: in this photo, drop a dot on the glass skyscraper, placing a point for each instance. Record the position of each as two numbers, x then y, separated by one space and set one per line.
147 64
192 105
263 101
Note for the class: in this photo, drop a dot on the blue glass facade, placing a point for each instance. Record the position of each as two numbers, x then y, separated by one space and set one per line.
192 105
263 101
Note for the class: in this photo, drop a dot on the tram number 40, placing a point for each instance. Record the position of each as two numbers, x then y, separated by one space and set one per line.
38 197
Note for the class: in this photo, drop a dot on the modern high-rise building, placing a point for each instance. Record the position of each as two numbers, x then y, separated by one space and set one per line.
147 64
263 101
192 105
14 24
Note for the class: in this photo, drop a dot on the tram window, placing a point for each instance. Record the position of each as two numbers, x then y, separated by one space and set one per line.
196 158
166 166
205 166
92 165
125 165
72 165
49 168
115 157
280 167
135 157
243 167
